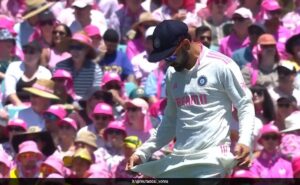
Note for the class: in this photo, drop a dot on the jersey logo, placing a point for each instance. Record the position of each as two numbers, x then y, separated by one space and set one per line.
202 81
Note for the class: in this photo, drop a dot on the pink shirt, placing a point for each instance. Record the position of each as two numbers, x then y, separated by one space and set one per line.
231 43
291 20
55 58
134 47
271 166
282 35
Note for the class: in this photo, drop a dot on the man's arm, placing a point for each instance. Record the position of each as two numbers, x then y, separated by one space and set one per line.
162 135
241 98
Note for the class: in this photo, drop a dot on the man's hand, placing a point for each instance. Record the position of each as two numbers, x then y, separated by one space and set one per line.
241 153
133 160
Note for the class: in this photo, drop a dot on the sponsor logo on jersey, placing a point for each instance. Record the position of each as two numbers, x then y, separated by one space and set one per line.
202 80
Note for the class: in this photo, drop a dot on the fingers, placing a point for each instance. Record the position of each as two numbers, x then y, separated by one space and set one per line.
129 164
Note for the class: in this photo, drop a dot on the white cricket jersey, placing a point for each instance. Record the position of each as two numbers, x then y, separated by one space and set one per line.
199 105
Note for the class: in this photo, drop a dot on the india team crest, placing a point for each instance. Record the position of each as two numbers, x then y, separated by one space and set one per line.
202 80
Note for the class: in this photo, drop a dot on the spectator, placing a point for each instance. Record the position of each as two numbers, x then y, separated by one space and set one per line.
101 116
114 136
93 96
204 35
81 163
112 83
290 145
123 19
81 15
52 116
67 129
45 28
254 6
28 161
130 144
7 54
14 127
263 104
54 54
24 74
238 38
155 87
269 163
272 14
217 21
30 20
115 60
286 80
285 106
107 7
244 55
137 119
41 94
263 70
290 19
12 9
136 44
64 87
52 165
5 164
141 66
85 73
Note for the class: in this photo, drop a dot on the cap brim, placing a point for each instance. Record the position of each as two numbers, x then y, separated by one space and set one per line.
290 129
37 11
40 93
158 56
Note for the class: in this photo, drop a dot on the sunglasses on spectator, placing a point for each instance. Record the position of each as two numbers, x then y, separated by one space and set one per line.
77 47
133 109
284 105
205 38
29 50
258 92
115 132
27 155
65 126
113 86
15 128
238 19
270 137
102 117
51 117
60 33
44 23
275 12
220 1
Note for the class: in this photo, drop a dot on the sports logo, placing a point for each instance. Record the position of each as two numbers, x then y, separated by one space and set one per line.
202 80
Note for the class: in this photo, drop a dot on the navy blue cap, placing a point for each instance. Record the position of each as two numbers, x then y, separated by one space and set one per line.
166 37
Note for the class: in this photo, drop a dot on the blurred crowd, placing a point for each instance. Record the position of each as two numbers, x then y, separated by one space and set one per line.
78 95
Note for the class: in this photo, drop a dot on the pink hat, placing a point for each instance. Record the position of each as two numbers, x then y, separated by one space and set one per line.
55 163
243 174
29 146
17 123
4 158
270 5
138 102
110 76
103 108
69 121
268 128
81 38
119 125
60 73
57 110
92 30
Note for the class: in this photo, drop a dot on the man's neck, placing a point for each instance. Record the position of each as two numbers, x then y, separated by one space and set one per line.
194 54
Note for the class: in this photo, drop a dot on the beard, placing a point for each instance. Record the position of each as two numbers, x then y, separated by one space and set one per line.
180 63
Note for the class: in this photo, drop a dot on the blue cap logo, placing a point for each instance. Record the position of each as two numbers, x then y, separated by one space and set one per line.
202 80
156 42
